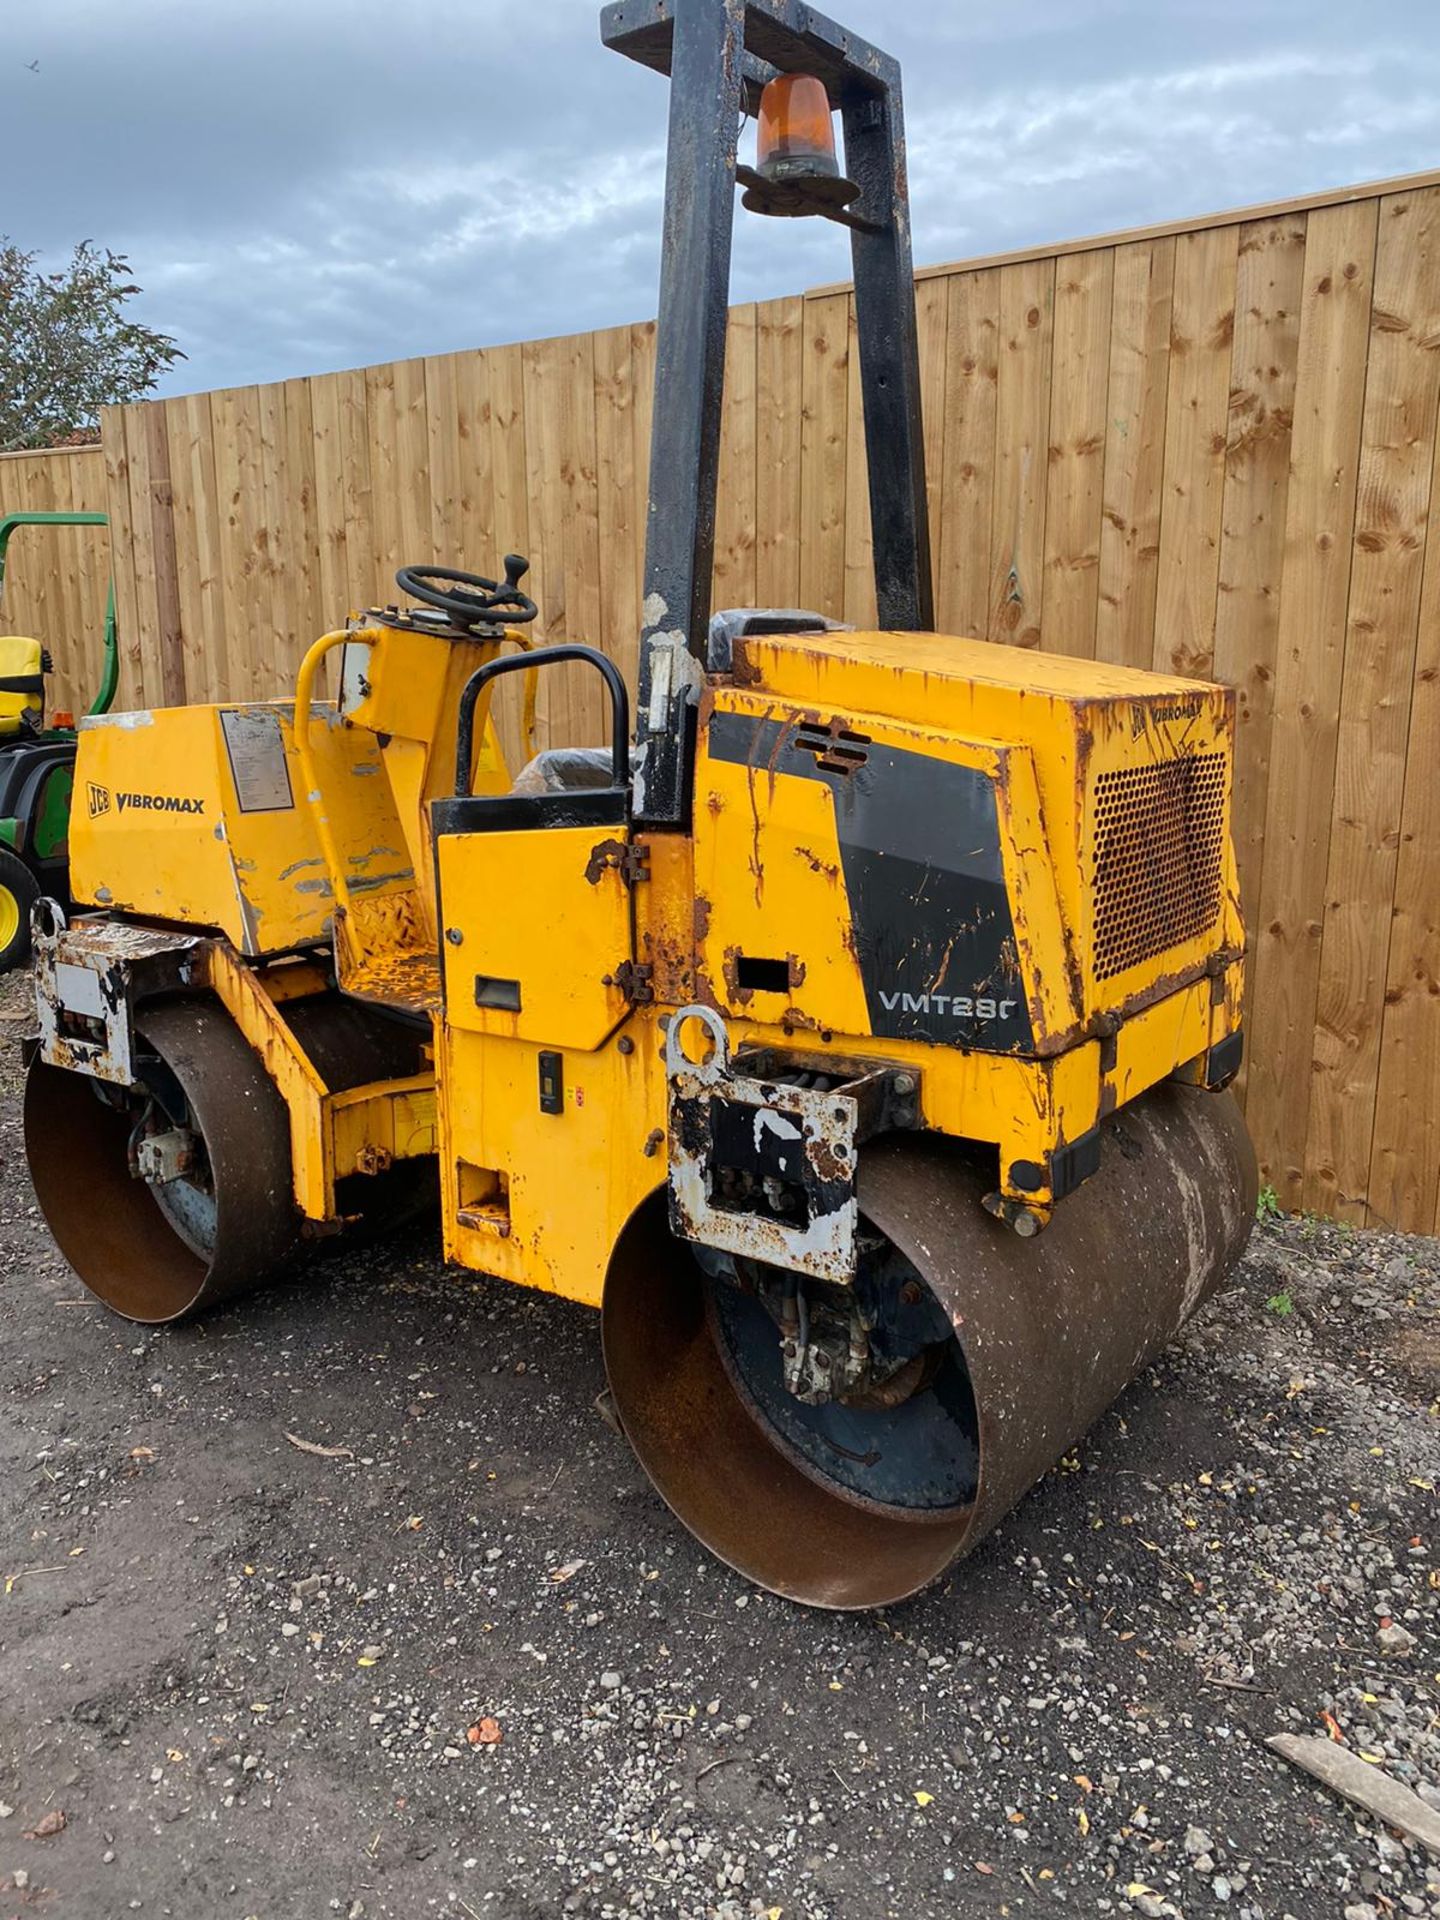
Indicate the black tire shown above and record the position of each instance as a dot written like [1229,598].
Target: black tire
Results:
[19,890]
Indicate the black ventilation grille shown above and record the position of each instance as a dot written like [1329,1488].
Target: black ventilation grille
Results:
[835,748]
[1159,858]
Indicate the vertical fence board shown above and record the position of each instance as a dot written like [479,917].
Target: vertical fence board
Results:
[619,495]
[349,575]
[41,552]
[296,523]
[1402,387]
[586,704]
[824,466]
[197,559]
[779,346]
[733,579]
[72,645]
[89,494]
[932,318]
[1405,1159]
[273,540]
[543,385]
[467,464]
[444,439]
[1022,439]
[967,487]
[52,562]
[510,501]
[37,494]
[860,607]
[1202,328]
[239,481]
[382,431]
[141,549]
[1075,472]
[133,638]
[509,464]
[1268,293]
[1134,452]
[1315,584]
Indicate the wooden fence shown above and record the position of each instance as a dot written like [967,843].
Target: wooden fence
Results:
[1209,447]
[56,577]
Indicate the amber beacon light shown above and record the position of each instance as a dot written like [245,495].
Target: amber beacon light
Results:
[797,134]
[796,172]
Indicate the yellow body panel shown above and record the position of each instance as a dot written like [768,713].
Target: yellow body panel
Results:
[409,702]
[401,683]
[1006,875]
[905,674]
[504,975]
[780,828]
[332,1134]
[196,815]
[1081,719]
[573,1180]
[570,1180]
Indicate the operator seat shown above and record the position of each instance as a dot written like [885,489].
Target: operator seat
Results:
[23,666]
[566,770]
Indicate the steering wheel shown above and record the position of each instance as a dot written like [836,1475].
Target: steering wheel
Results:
[466,599]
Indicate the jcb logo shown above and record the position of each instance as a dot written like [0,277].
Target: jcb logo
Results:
[99,800]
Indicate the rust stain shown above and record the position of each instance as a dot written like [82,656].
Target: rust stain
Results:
[757,865]
[829,1163]
[704,990]
[796,1020]
[671,966]
[742,996]
[609,853]
[829,868]
[743,670]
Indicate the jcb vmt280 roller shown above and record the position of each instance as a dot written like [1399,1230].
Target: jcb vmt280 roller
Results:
[852,1033]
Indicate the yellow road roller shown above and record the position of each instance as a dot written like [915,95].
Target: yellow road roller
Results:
[852,1029]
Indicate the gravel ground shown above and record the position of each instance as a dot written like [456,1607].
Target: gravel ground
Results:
[261,1681]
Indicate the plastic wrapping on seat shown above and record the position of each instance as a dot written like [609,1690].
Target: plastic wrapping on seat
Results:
[565,770]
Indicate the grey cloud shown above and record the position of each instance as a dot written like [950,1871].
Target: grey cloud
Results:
[318,184]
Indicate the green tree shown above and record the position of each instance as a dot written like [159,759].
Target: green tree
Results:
[67,347]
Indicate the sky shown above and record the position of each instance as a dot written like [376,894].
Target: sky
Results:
[302,185]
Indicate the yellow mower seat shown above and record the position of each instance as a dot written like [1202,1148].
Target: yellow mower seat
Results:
[23,660]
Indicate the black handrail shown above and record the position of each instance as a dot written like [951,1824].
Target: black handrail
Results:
[522,663]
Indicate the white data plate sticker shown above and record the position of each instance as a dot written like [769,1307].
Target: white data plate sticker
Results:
[256,748]
[77,989]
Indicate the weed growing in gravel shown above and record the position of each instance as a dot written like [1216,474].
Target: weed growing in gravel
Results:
[1268,1206]
[1280,1303]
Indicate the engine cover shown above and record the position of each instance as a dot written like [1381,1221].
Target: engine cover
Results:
[196,816]
[1002,852]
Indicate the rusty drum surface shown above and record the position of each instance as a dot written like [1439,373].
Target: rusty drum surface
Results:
[150,1262]
[161,1253]
[1049,1331]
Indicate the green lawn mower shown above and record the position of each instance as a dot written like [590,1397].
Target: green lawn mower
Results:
[37,762]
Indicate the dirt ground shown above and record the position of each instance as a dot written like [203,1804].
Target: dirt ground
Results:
[253,1678]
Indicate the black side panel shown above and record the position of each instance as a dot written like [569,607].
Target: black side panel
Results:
[514,812]
[920,850]
[20,764]
[26,766]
